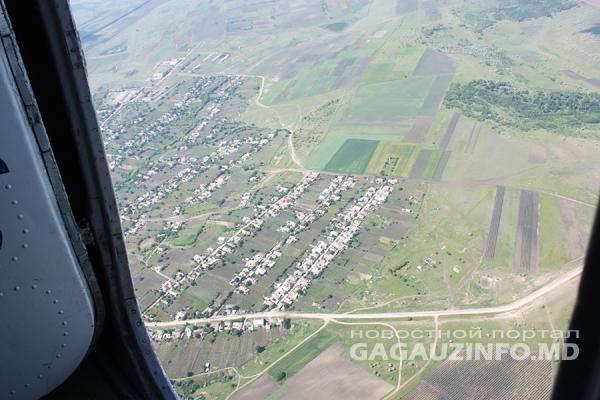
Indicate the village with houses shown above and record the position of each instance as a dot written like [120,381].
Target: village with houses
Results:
[286,172]
[314,214]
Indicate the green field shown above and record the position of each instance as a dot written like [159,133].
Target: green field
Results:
[553,251]
[187,236]
[379,72]
[302,356]
[353,157]
[347,336]
[505,245]
[388,102]
[393,158]
[434,159]
[397,63]
[436,95]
